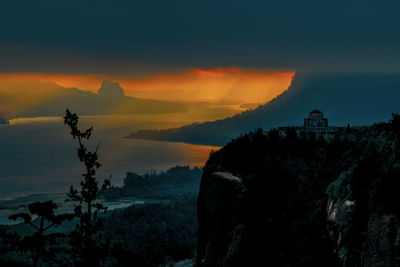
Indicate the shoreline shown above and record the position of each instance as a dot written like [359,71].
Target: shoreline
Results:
[20,204]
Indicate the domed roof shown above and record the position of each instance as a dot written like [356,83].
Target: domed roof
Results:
[316,114]
[316,111]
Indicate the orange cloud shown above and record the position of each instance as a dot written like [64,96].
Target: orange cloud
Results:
[215,85]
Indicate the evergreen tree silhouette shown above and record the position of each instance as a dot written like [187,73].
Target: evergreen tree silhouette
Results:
[86,247]
[395,121]
[40,246]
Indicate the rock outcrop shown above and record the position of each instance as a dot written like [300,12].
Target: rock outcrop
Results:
[221,195]
[111,90]
[271,200]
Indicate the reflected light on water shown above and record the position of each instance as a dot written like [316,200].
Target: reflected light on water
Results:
[19,121]
[38,155]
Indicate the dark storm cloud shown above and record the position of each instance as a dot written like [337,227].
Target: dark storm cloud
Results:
[133,36]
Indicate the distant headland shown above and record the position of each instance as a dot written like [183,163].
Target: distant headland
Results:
[359,99]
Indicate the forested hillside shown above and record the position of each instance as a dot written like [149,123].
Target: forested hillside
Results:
[358,99]
[301,201]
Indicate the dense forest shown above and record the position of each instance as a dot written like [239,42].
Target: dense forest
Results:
[285,199]
[173,183]
[160,230]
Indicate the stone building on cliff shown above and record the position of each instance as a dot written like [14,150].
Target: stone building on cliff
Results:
[315,123]
[316,119]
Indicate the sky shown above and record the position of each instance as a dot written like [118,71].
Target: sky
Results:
[206,50]
[229,85]
[157,36]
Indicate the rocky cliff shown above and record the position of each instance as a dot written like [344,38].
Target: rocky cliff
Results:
[111,90]
[272,200]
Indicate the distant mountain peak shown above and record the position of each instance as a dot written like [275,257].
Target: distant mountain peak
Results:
[111,89]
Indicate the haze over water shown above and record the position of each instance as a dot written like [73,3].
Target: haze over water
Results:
[39,156]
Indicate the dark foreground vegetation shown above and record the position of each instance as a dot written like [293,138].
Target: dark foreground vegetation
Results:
[154,234]
[283,199]
[168,185]
[157,232]
[266,199]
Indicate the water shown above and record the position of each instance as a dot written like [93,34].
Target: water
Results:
[38,156]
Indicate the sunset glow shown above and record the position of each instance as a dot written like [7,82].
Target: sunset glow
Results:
[216,85]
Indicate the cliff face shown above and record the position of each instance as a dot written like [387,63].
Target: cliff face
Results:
[268,200]
[221,232]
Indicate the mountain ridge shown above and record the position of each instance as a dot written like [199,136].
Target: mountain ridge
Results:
[335,94]
[35,98]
